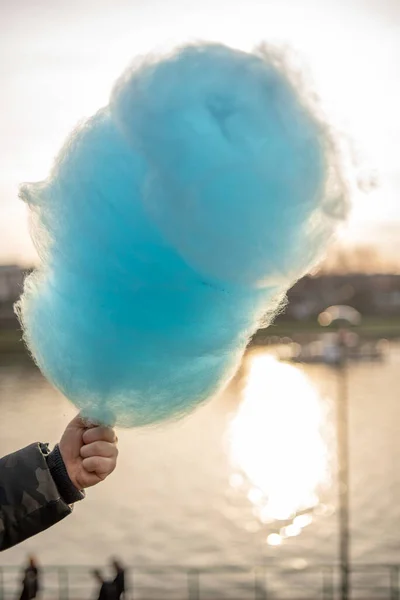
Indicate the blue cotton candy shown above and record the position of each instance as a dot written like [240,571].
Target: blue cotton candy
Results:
[172,224]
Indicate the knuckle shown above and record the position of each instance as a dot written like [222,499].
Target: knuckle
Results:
[111,436]
[91,450]
[99,448]
[96,463]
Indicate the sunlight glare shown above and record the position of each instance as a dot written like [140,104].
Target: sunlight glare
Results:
[277,443]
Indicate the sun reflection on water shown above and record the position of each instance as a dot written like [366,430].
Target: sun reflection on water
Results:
[278,446]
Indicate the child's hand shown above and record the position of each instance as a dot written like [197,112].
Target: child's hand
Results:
[89,454]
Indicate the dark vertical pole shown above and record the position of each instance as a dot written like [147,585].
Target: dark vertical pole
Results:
[343,472]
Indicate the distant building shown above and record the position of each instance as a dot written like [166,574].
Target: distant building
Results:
[11,282]
[371,295]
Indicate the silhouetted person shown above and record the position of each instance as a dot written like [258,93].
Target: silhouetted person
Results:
[119,580]
[30,581]
[107,588]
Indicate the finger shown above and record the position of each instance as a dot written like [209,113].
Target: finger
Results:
[105,434]
[104,449]
[100,465]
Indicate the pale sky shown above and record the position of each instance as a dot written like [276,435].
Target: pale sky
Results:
[59,59]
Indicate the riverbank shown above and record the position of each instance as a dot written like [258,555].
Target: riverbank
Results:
[370,328]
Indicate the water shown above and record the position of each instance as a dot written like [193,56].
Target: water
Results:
[224,486]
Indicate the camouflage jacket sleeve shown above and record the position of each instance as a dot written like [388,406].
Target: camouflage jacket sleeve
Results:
[29,498]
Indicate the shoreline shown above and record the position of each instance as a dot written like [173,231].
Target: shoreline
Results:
[302,331]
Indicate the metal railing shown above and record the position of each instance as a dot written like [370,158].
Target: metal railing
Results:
[368,582]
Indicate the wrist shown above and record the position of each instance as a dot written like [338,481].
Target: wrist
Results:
[68,491]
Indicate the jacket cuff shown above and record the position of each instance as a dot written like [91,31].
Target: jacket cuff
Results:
[68,492]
